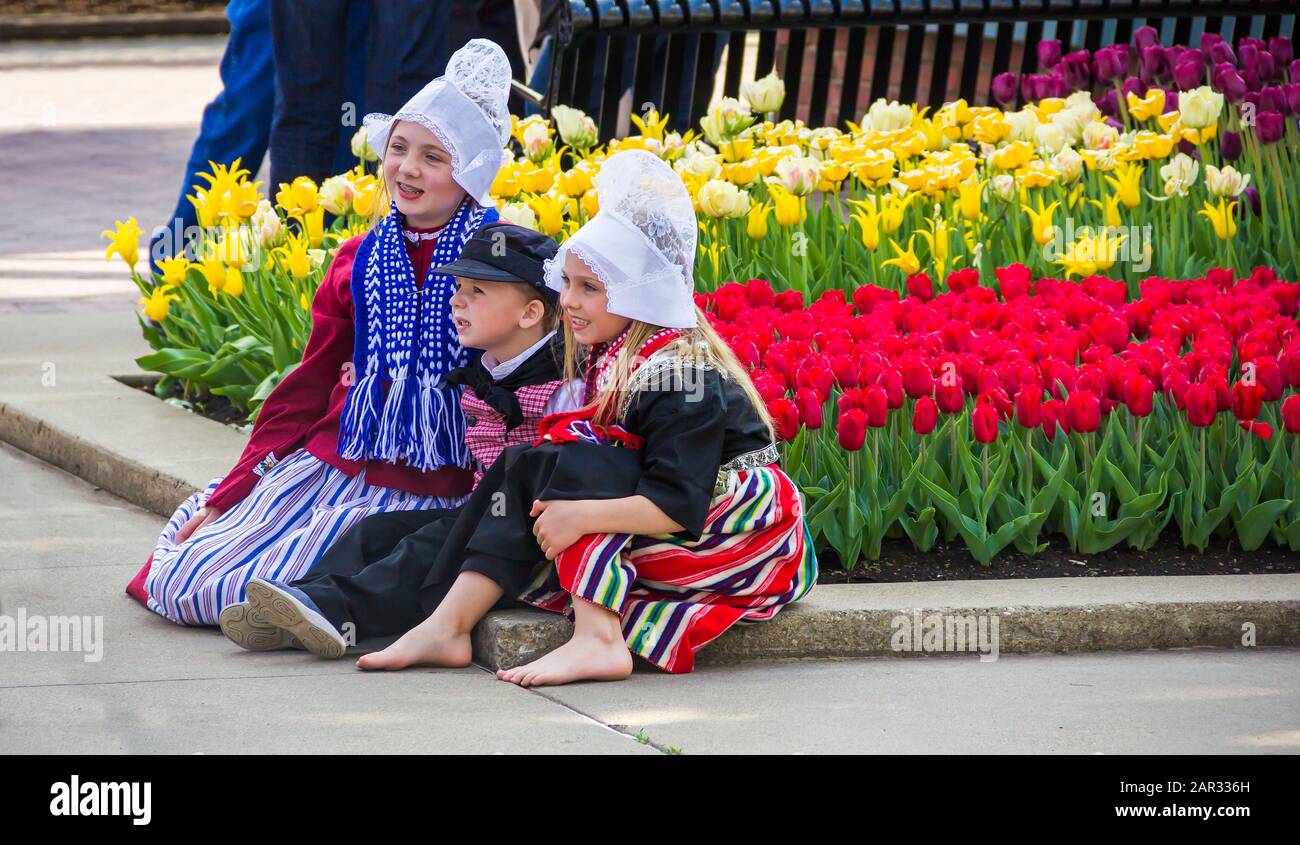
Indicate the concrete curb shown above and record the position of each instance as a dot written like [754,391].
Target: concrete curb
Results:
[154,455]
[1050,615]
[28,27]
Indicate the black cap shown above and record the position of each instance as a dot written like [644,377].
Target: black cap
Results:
[504,252]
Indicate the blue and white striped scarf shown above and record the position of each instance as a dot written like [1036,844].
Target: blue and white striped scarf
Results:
[406,336]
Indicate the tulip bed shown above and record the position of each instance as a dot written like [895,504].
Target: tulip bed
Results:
[968,328]
[1053,409]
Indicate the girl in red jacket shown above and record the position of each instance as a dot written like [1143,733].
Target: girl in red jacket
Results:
[366,423]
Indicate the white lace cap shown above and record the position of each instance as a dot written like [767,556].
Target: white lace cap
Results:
[466,108]
[640,244]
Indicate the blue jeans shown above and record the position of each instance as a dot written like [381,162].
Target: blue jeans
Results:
[235,125]
[406,47]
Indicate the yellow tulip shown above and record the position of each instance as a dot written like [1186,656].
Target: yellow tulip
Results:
[790,209]
[938,242]
[575,182]
[506,183]
[1127,183]
[1222,217]
[1013,155]
[1044,231]
[591,203]
[234,282]
[214,273]
[297,197]
[155,307]
[1145,108]
[125,241]
[869,222]
[174,270]
[652,125]
[365,196]
[737,149]
[756,221]
[891,212]
[905,260]
[970,197]
[1151,145]
[314,223]
[550,214]
[295,257]
[741,173]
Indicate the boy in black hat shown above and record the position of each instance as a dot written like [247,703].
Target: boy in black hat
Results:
[381,578]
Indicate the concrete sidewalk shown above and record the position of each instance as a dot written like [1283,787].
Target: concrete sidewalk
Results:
[68,549]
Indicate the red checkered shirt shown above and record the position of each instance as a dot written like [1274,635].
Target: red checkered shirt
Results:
[486,434]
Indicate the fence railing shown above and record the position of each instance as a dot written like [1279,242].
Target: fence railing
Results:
[836,56]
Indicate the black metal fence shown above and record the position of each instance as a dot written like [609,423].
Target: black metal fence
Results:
[837,56]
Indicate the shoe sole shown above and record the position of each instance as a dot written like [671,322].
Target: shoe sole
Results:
[287,616]
[247,628]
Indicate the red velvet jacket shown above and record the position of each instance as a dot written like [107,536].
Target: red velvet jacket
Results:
[305,408]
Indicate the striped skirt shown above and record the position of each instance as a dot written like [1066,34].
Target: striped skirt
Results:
[675,596]
[278,532]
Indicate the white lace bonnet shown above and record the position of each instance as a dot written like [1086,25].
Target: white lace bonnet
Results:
[466,109]
[640,244]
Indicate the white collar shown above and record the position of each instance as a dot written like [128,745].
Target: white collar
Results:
[416,237]
[500,369]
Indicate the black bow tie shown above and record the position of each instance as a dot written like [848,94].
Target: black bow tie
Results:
[542,366]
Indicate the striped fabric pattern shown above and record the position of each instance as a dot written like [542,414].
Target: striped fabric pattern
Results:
[674,595]
[278,532]
[487,438]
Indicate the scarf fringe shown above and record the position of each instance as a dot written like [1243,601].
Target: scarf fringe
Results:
[439,428]
[357,425]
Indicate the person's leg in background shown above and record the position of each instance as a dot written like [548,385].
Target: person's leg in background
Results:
[310,43]
[408,47]
[549,12]
[358,39]
[236,124]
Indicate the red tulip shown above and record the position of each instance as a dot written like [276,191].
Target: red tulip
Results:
[851,429]
[1262,430]
[1029,406]
[918,381]
[786,417]
[950,397]
[876,404]
[984,422]
[1291,414]
[925,415]
[810,407]
[1247,399]
[820,379]
[1053,416]
[920,286]
[1083,410]
[1200,404]
[1138,395]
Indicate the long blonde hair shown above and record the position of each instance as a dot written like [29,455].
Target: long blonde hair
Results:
[701,343]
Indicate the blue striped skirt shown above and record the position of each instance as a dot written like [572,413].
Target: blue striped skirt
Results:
[278,532]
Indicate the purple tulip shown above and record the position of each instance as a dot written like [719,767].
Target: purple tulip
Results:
[1151,63]
[1049,54]
[1109,65]
[1291,93]
[1222,52]
[1230,145]
[1251,196]
[1031,87]
[1056,86]
[1108,104]
[1146,36]
[1004,88]
[1266,67]
[1269,126]
[1280,48]
[1229,82]
[1077,70]
[1208,40]
[1252,97]
[1294,71]
[1247,56]
[1186,147]
[1171,100]
[1114,122]
[1272,99]
[1188,75]
[1251,79]
[1134,86]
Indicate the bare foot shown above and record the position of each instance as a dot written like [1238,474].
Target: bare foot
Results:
[427,644]
[580,659]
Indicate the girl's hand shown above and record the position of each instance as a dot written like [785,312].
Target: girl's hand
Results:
[559,524]
[205,515]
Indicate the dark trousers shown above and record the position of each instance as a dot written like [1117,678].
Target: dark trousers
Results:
[392,570]
[495,21]
[406,48]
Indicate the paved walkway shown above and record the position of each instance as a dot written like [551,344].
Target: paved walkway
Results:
[68,549]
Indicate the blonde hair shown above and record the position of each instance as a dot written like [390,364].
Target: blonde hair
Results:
[701,343]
